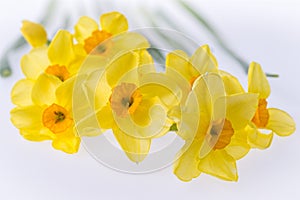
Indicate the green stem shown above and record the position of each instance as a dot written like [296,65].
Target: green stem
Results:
[218,39]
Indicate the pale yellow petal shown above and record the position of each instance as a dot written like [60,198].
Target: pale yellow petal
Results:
[211,55]
[178,61]
[35,62]
[34,33]
[135,149]
[43,91]
[84,28]
[37,135]
[29,117]
[67,142]
[120,66]
[259,140]
[281,122]
[219,164]
[160,85]
[241,109]
[231,83]
[148,121]
[203,61]
[114,22]
[105,117]
[186,166]
[238,146]
[64,93]
[21,92]
[257,81]
[61,49]
[125,42]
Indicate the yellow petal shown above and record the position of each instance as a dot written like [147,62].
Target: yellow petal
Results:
[186,166]
[178,61]
[238,147]
[35,62]
[231,83]
[211,55]
[105,117]
[64,93]
[181,81]
[84,28]
[37,135]
[149,120]
[43,91]
[136,149]
[21,92]
[61,50]
[160,85]
[113,22]
[219,164]
[125,42]
[257,81]
[281,122]
[34,33]
[29,117]
[67,142]
[259,140]
[203,61]
[120,66]
[241,109]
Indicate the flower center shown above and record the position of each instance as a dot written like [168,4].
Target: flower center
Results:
[60,72]
[125,99]
[221,132]
[261,116]
[56,118]
[93,43]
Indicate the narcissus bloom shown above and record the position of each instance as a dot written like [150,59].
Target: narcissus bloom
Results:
[185,70]
[49,117]
[90,36]
[127,101]
[273,119]
[57,60]
[217,138]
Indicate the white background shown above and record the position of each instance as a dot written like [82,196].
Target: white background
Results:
[265,31]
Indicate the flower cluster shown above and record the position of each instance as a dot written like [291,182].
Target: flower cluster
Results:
[106,74]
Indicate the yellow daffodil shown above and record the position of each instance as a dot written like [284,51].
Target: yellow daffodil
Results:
[127,101]
[216,135]
[57,60]
[49,117]
[185,70]
[90,36]
[273,119]
[35,34]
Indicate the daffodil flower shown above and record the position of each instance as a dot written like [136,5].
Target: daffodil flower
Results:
[216,135]
[188,69]
[273,119]
[57,60]
[127,101]
[90,36]
[49,117]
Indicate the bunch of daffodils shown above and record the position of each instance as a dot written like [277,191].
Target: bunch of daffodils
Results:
[103,73]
